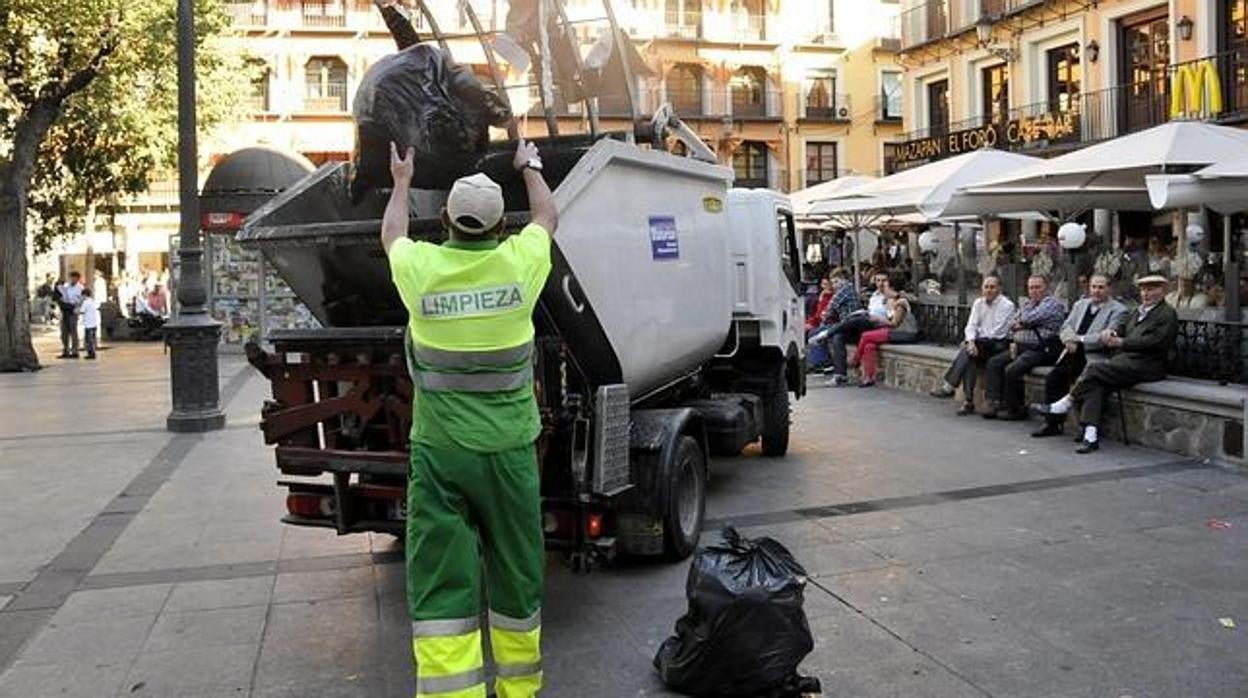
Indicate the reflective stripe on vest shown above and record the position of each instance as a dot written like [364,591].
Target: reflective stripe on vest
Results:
[445,359]
[474,382]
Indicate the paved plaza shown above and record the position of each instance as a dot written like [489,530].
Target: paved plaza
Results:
[948,556]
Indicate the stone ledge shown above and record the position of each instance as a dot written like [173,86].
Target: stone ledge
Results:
[1195,418]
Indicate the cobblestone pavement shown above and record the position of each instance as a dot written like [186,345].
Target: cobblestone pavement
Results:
[948,557]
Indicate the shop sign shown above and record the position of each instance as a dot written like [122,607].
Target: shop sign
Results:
[1195,90]
[1053,127]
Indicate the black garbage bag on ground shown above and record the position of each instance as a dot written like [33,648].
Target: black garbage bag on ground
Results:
[418,97]
[745,632]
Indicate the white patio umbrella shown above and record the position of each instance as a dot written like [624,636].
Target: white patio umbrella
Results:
[1106,175]
[922,190]
[1222,187]
[803,198]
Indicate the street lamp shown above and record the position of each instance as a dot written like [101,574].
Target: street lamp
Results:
[983,33]
[193,334]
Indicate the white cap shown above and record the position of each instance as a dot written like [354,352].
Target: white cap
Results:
[475,204]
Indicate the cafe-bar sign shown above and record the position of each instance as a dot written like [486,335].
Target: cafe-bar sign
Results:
[1059,127]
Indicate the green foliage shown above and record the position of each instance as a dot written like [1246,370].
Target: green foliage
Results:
[113,136]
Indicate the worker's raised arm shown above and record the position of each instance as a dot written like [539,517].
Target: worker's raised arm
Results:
[542,209]
[394,222]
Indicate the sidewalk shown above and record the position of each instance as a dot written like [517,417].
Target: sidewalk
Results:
[948,557]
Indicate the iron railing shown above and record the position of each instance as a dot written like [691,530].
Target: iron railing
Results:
[333,99]
[684,25]
[328,13]
[248,14]
[1204,350]
[838,108]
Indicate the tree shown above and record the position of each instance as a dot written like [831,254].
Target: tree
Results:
[87,116]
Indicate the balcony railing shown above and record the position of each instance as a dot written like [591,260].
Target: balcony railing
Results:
[323,14]
[333,100]
[937,19]
[248,14]
[837,109]
[684,25]
[257,103]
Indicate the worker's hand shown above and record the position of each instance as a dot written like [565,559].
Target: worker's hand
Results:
[1071,347]
[401,168]
[525,151]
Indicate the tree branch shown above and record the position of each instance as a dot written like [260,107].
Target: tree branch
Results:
[57,92]
[13,76]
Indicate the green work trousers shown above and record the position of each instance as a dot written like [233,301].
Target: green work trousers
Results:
[465,508]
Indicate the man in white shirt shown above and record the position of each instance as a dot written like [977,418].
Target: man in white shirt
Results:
[987,334]
[69,301]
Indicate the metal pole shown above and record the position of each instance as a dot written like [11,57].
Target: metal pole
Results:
[957,246]
[1230,261]
[193,335]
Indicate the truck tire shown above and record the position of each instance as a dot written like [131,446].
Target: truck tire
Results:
[682,498]
[776,416]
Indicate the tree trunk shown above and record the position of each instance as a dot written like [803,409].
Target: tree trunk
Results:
[17,353]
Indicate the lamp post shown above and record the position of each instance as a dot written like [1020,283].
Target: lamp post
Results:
[193,334]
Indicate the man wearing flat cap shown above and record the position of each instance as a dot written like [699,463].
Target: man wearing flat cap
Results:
[1141,347]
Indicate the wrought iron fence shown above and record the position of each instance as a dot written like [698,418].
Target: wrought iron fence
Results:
[1205,349]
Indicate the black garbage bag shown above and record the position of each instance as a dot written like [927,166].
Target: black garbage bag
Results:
[745,632]
[418,97]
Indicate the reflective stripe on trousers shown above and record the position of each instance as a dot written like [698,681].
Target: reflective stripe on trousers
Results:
[516,643]
[449,661]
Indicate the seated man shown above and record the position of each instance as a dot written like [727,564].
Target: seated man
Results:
[851,326]
[1081,344]
[1035,344]
[1143,343]
[986,335]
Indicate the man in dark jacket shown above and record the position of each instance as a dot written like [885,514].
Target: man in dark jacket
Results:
[1142,347]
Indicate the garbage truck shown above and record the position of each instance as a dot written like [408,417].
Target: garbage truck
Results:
[670,329]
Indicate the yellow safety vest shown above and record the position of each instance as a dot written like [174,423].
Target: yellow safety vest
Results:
[470,327]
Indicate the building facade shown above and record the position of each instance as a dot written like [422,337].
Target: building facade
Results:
[1047,76]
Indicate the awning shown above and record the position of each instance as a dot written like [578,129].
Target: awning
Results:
[1222,187]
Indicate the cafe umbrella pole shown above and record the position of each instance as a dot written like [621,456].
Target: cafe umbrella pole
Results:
[193,335]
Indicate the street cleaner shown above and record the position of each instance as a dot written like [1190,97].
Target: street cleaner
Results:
[473,492]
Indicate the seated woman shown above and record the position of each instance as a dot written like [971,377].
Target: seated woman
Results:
[825,297]
[902,327]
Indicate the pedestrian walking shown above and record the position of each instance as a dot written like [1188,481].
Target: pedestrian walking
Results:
[43,299]
[90,311]
[474,485]
[70,299]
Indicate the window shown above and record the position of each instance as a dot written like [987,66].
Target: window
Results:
[827,22]
[683,18]
[749,96]
[995,107]
[789,256]
[890,96]
[821,163]
[938,107]
[1233,41]
[749,164]
[821,99]
[684,89]
[258,98]
[889,164]
[1143,70]
[326,80]
[1065,77]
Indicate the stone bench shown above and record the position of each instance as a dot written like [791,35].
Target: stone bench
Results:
[1195,418]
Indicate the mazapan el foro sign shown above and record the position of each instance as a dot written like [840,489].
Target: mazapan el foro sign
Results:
[1196,90]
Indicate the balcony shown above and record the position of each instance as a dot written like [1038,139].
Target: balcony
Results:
[836,109]
[888,33]
[248,14]
[682,25]
[332,101]
[933,20]
[323,14]
[256,103]
[735,27]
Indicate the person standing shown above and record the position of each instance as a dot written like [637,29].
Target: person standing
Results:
[1144,343]
[1081,344]
[90,311]
[1035,344]
[70,300]
[986,335]
[474,487]
[43,299]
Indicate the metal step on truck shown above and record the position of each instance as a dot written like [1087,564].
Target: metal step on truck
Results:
[670,330]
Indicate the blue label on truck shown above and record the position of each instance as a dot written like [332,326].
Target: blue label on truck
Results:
[663,241]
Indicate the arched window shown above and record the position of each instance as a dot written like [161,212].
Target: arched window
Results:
[749,94]
[326,80]
[684,89]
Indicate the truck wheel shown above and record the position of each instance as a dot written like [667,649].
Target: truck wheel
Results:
[776,416]
[682,499]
